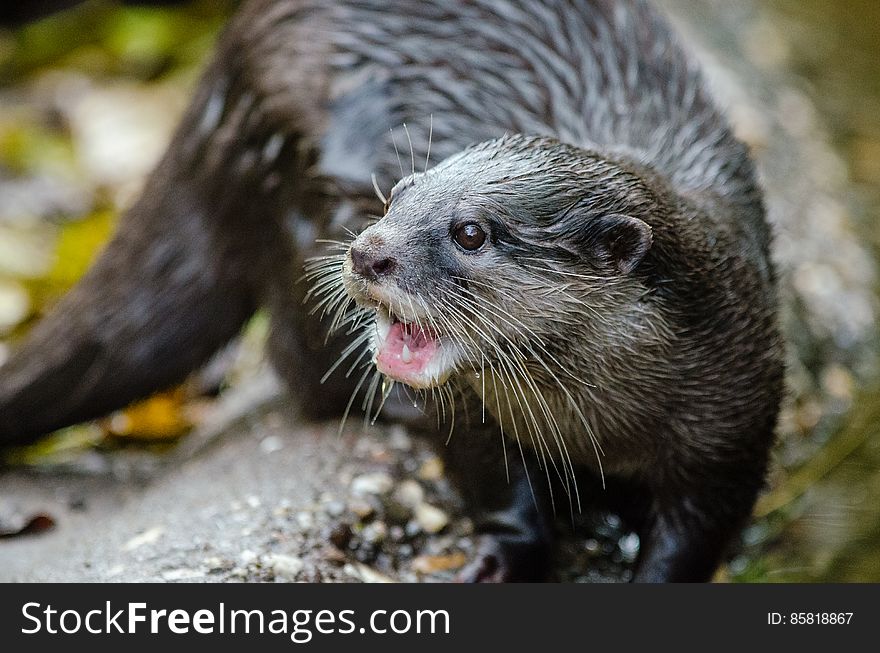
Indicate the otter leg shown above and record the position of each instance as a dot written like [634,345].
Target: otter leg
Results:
[685,541]
[508,503]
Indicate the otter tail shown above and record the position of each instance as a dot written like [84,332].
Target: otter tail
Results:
[187,266]
[163,296]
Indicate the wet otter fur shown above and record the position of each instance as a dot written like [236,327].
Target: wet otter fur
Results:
[619,307]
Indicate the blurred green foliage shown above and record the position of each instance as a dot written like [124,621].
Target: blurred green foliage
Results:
[104,38]
[144,49]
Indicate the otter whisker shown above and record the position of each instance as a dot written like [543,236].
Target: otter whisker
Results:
[446,325]
[348,351]
[501,426]
[351,400]
[338,304]
[519,365]
[378,191]
[322,267]
[517,321]
[529,332]
[330,270]
[502,355]
[543,364]
[358,360]
[569,469]
[430,137]
[452,411]
[387,387]
[483,389]
[324,287]
[565,273]
[412,156]
[442,403]
[517,326]
[518,441]
[351,234]
[336,243]
[397,152]
[533,428]
[370,397]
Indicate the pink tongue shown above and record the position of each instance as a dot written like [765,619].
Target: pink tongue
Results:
[422,346]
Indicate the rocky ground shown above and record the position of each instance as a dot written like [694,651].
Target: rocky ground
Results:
[255,494]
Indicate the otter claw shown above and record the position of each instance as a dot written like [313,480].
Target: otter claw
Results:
[497,563]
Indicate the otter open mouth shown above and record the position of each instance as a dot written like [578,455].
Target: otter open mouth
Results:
[411,353]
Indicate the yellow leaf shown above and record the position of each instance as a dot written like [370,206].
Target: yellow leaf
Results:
[78,244]
[162,416]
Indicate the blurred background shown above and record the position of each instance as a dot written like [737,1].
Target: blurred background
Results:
[89,98]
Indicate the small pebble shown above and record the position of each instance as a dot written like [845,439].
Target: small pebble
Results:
[396,533]
[431,519]
[216,564]
[464,527]
[431,469]
[253,501]
[375,532]
[396,512]
[285,567]
[366,484]
[361,508]
[366,574]
[271,444]
[629,546]
[149,536]
[340,536]
[182,574]
[412,528]
[334,508]
[78,504]
[333,554]
[398,439]
[409,493]
[838,382]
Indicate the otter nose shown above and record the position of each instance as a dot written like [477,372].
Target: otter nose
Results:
[371,266]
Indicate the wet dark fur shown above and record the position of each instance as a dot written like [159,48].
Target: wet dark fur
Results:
[277,149]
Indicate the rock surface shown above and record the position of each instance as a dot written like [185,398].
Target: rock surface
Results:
[257,495]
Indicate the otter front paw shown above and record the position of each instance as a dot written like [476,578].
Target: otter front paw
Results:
[501,559]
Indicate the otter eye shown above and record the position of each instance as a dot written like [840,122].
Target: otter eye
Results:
[469,236]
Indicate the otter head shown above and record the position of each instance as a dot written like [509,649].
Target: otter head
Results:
[490,259]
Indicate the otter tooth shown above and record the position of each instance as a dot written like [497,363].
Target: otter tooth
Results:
[405,355]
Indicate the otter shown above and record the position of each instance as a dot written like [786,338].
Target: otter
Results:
[585,276]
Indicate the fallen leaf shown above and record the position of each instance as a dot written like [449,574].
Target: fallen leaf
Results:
[31,525]
[160,417]
[426,564]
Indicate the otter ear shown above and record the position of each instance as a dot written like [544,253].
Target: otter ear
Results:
[620,240]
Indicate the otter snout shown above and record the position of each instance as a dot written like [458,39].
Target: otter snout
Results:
[371,264]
